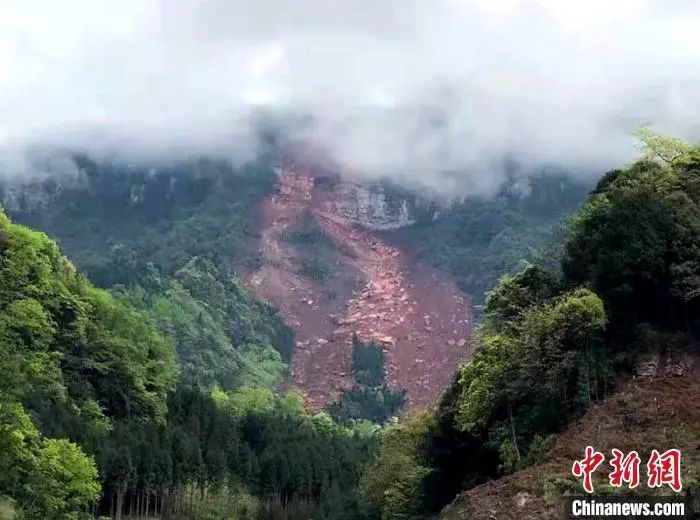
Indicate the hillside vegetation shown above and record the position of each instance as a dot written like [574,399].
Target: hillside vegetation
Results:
[656,410]
[552,345]
[479,239]
[158,395]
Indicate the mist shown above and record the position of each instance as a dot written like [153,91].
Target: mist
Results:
[439,92]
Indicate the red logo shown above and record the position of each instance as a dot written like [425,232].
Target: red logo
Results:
[662,468]
[587,466]
[665,468]
[625,469]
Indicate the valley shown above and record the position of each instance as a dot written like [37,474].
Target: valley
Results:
[349,261]
[224,292]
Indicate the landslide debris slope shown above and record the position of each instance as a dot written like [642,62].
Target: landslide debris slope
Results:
[326,266]
[656,410]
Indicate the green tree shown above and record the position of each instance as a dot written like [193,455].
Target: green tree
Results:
[669,150]
[392,484]
[47,478]
[636,242]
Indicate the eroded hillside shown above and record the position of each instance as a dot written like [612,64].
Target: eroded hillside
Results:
[327,267]
[658,409]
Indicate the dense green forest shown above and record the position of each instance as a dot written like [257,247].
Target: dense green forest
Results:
[553,343]
[112,218]
[369,398]
[163,413]
[157,394]
[478,239]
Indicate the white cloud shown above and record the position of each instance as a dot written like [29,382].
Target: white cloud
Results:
[401,87]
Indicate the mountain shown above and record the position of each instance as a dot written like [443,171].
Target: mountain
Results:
[157,398]
[335,277]
[322,358]
[338,256]
[160,395]
[167,392]
[619,320]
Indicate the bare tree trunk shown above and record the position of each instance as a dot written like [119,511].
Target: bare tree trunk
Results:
[512,430]
[120,501]
[588,372]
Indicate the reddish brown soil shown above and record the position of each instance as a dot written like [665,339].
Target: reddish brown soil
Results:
[416,313]
[659,412]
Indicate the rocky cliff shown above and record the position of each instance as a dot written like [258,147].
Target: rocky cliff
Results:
[371,207]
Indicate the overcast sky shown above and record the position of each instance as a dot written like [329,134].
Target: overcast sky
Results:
[400,87]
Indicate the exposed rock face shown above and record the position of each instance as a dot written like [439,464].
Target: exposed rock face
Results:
[31,197]
[294,186]
[673,363]
[371,207]
[414,312]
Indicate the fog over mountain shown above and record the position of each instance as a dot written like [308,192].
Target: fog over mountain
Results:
[437,90]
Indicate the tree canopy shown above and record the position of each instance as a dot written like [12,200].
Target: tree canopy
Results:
[552,342]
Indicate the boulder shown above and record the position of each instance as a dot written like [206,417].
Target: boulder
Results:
[385,340]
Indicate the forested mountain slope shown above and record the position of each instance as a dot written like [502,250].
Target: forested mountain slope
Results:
[168,240]
[551,345]
[187,421]
[113,217]
[158,397]
[76,361]
[479,239]
[338,257]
